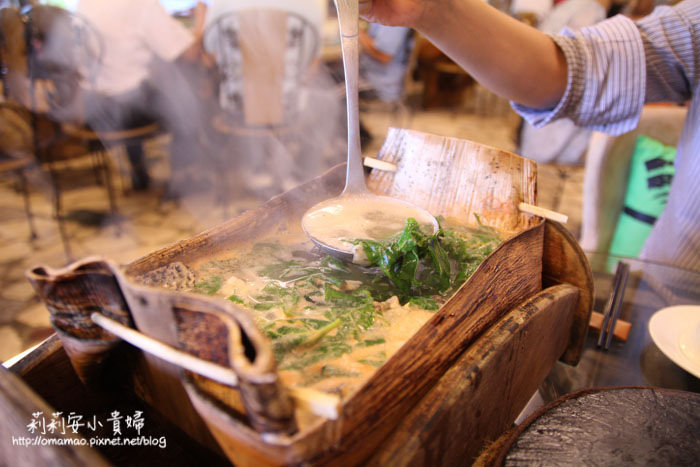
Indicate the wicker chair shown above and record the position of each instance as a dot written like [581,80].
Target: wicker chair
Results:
[16,152]
[63,54]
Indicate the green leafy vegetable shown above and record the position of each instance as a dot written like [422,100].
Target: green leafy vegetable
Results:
[427,303]
[319,308]
[421,264]
[328,370]
[371,342]
[210,286]
[276,296]
[377,359]
[235,299]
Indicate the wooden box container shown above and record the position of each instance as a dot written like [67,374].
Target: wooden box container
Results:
[459,381]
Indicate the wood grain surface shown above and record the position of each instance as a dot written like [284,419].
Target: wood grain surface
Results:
[565,262]
[457,178]
[484,390]
[19,402]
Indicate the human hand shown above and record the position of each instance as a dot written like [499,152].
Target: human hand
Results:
[393,12]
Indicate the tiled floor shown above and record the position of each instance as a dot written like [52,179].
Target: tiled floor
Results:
[146,222]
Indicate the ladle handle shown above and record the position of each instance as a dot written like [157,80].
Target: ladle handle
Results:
[348,19]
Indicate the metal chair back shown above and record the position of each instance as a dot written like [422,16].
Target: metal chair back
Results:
[263,56]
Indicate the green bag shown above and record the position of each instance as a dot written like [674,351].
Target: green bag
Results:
[651,173]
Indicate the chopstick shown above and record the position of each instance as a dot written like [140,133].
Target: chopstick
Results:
[317,402]
[619,299]
[542,212]
[379,164]
[613,305]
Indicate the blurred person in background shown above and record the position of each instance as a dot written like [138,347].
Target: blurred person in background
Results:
[531,12]
[313,10]
[385,55]
[141,79]
[599,77]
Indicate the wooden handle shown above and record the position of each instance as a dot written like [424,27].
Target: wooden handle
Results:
[542,212]
[622,328]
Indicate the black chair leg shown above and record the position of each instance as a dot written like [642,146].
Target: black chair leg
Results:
[58,215]
[107,174]
[27,203]
[62,228]
[140,180]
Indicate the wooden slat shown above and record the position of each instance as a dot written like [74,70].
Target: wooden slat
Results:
[457,178]
[481,395]
[565,262]
[19,402]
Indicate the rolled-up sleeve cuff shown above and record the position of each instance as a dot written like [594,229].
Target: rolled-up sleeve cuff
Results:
[606,78]
[541,117]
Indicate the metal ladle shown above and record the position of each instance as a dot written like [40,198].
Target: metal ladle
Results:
[355,190]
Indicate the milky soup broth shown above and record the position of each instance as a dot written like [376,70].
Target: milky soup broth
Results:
[331,323]
[338,221]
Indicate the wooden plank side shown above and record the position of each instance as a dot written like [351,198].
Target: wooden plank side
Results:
[565,262]
[483,392]
[33,364]
[17,404]
[49,374]
[503,280]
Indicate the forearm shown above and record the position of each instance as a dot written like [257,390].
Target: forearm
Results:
[510,58]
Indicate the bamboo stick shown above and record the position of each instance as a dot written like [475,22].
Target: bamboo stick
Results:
[379,164]
[542,212]
[319,403]
[165,352]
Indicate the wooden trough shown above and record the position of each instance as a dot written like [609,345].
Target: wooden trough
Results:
[457,383]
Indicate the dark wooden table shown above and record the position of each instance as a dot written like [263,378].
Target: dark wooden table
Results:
[606,427]
[638,361]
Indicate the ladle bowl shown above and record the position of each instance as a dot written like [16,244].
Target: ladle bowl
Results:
[357,213]
[335,223]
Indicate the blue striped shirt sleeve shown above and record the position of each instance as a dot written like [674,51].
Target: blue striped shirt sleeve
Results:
[606,78]
[671,38]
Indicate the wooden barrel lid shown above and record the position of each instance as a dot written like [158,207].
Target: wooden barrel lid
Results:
[610,426]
